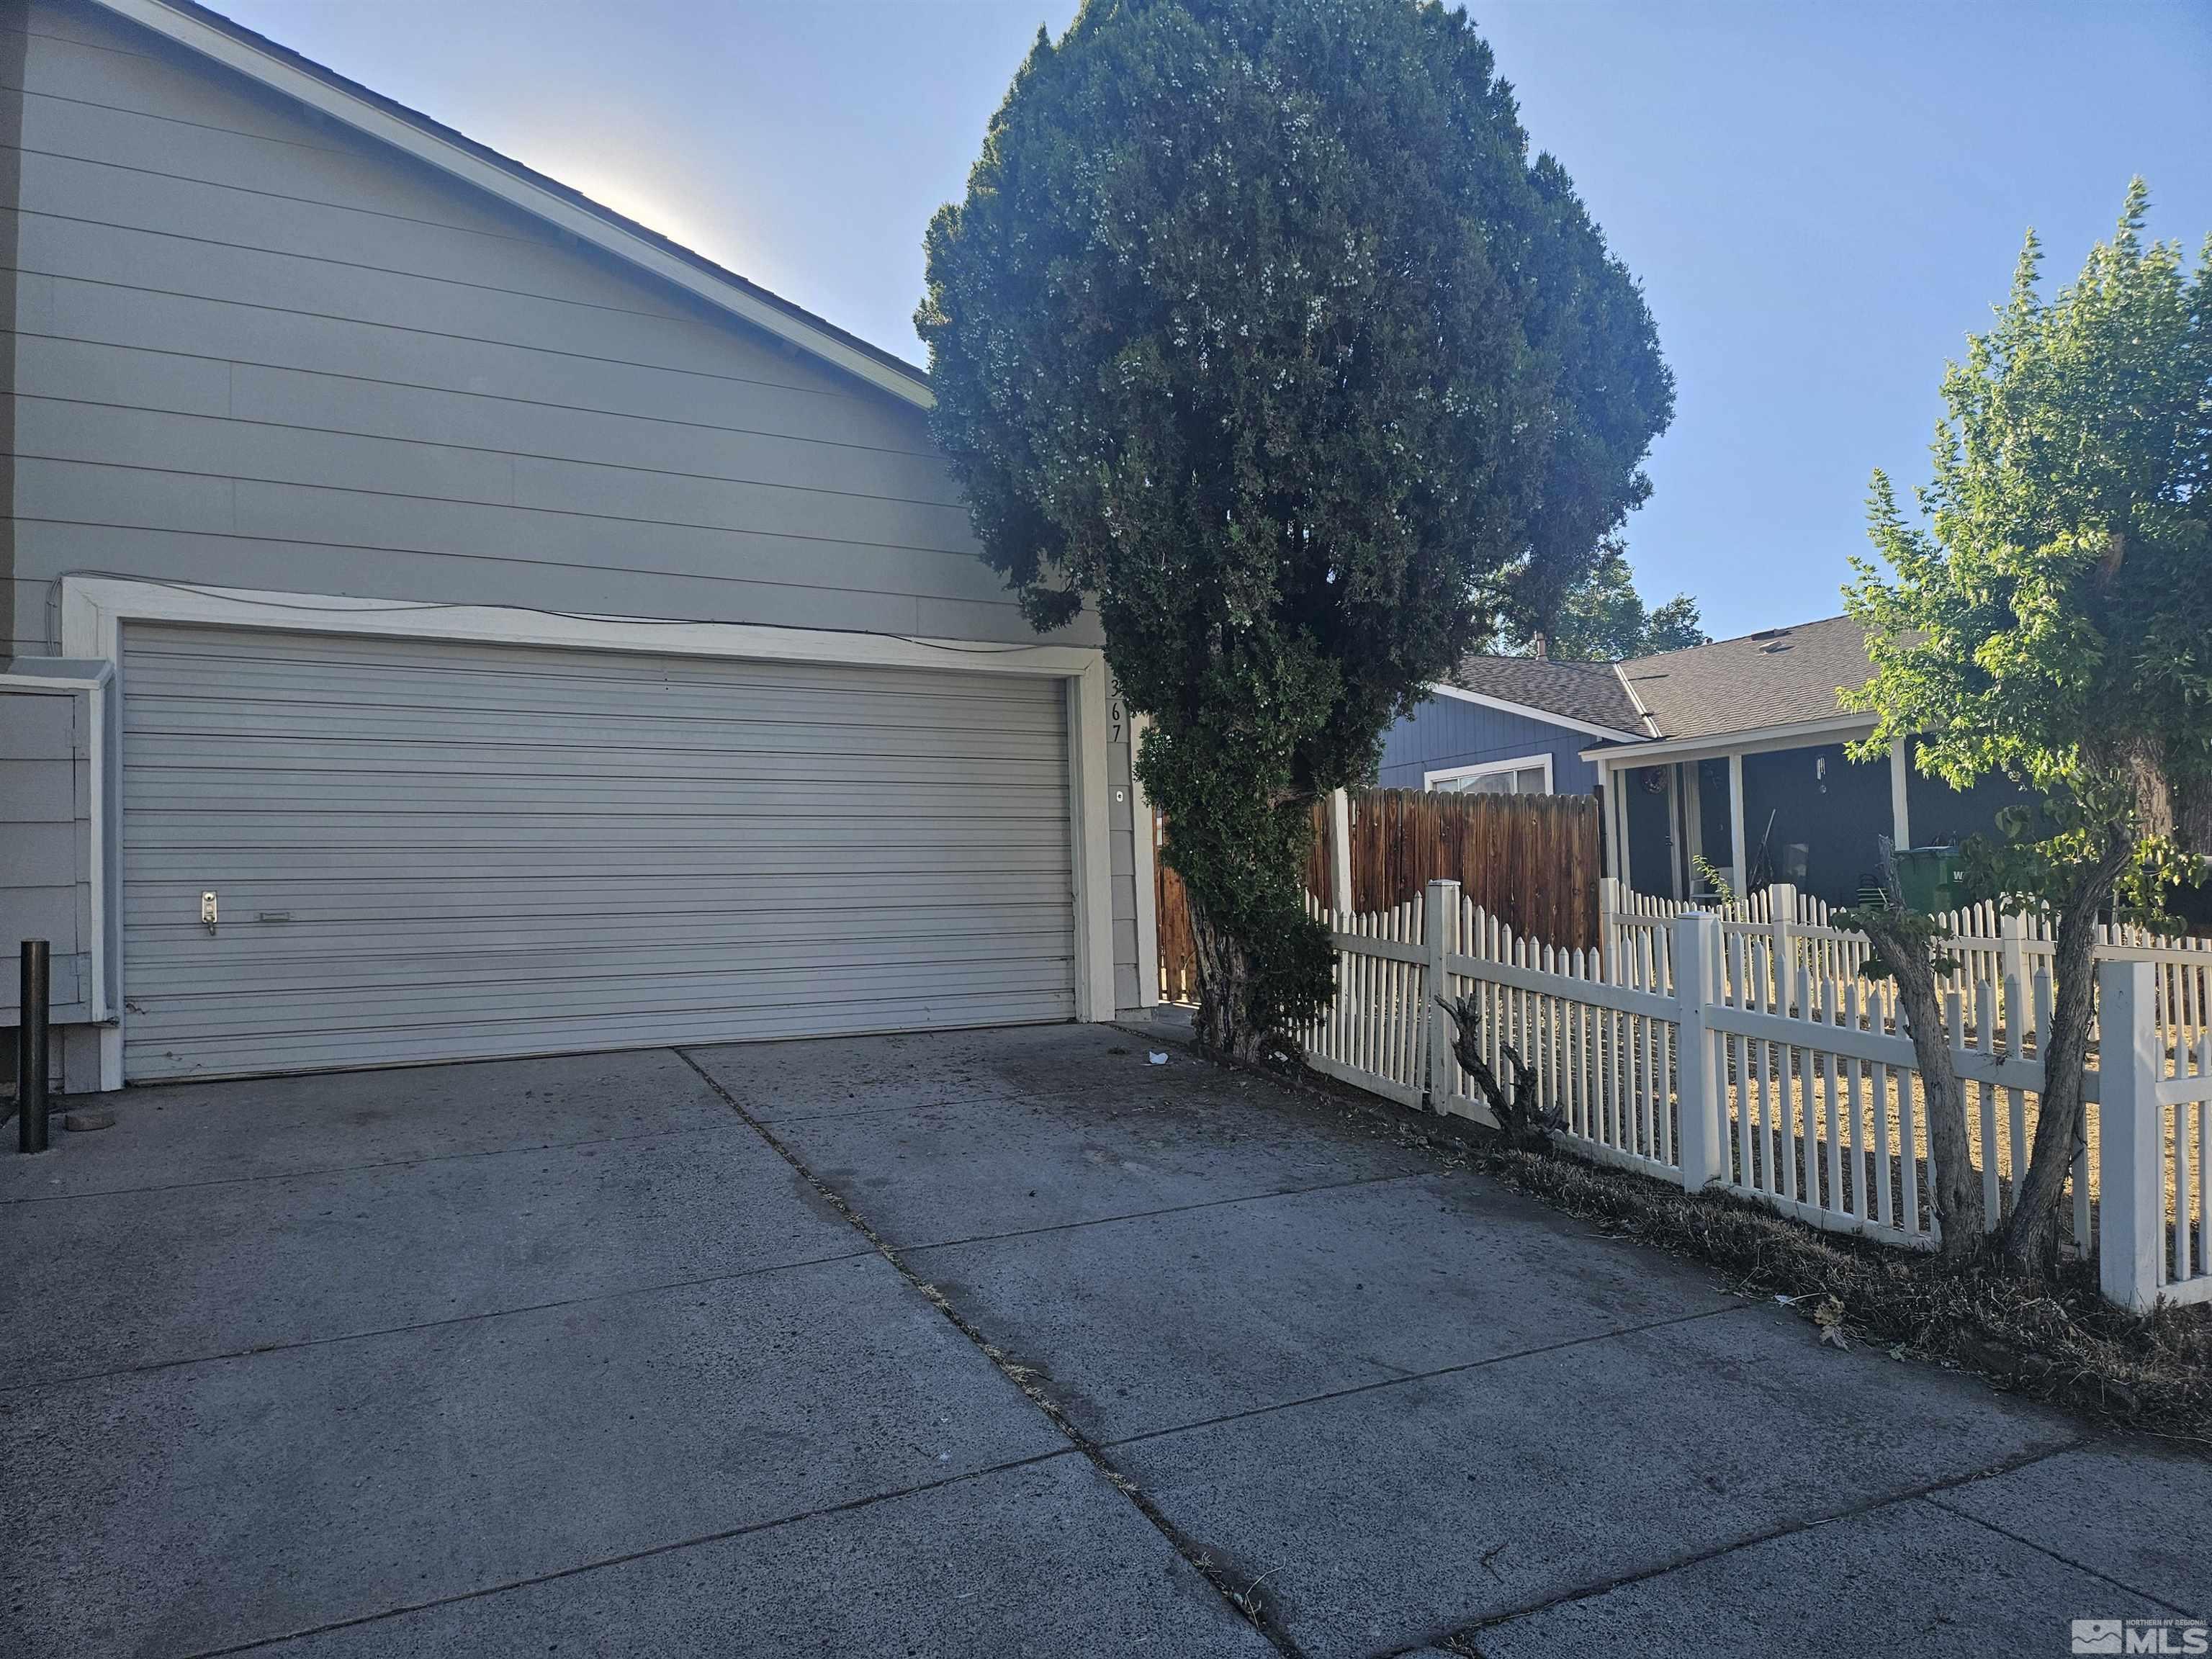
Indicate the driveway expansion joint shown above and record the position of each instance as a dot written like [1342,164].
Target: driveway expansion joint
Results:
[79,1378]
[320,1172]
[1171,1209]
[1460,1638]
[847,1507]
[1354,1389]
[2045,1549]
[1243,1602]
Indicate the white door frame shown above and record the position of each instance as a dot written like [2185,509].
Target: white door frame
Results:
[94,608]
[1144,872]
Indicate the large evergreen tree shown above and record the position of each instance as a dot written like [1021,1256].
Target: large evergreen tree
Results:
[1260,327]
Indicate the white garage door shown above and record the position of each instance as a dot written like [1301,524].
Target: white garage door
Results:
[421,851]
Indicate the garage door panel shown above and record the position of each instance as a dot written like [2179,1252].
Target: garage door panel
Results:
[431,1009]
[267,668]
[337,790]
[282,726]
[308,1050]
[722,840]
[296,998]
[425,850]
[605,840]
[324,866]
[706,724]
[152,907]
[218,758]
[257,931]
[265,965]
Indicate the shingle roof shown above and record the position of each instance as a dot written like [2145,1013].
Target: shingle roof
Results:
[1586,691]
[1776,677]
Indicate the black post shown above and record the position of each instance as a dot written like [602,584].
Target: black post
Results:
[31,1048]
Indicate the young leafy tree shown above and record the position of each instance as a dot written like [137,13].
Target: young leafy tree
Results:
[1909,947]
[1259,327]
[2053,620]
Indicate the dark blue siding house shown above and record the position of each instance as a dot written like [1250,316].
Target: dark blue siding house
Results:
[1732,751]
[1447,738]
[1511,725]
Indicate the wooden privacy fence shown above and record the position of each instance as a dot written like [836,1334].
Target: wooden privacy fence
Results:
[1532,860]
[1801,1092]
[1172,914]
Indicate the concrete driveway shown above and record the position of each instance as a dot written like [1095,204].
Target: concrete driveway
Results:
[634,1354]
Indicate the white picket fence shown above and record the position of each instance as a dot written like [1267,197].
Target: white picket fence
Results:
[1374,1034]
[1686,1056]
[1780,924]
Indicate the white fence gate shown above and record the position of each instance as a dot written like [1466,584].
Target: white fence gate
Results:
[1684,1052]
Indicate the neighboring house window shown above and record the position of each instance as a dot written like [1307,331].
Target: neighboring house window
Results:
[1530,775]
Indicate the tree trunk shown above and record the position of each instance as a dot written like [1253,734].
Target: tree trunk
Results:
[1955,1185]
[2029,1239]
[1223,1023]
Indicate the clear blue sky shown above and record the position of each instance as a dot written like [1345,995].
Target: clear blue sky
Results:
[1821,200]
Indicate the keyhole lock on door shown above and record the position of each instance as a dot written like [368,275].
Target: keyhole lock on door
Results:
[207,911]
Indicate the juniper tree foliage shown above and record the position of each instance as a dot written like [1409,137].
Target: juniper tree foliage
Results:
[1259,327]
[2052,618]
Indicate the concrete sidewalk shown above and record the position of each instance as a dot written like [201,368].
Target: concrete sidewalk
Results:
[642,1353]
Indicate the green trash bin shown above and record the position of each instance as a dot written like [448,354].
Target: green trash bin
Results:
[1928,877]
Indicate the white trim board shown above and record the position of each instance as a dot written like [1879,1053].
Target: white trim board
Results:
[94,608]
[95,688]
[1143,871]
[555,210]
[1642,713]
[1529,711]
[1756,741]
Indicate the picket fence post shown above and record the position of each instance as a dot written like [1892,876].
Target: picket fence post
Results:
[1440,938]
[2012,970]
[1340,851]
[1608,906]
[1782,914]
[2132,1137]
[1701,1137]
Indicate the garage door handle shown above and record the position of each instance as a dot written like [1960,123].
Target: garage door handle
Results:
[272,915]
[207,911]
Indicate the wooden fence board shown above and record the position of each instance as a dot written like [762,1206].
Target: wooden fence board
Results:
[1530,860]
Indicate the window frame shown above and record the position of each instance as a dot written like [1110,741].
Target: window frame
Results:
[1430,780]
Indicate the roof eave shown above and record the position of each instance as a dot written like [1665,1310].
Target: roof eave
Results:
[1751,740]
[1620,677]
[1444,688]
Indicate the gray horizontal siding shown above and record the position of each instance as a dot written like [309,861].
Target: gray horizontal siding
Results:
[1446,731]
[69,433]
[255,348]
[338,375]
[236,322]
[45,845]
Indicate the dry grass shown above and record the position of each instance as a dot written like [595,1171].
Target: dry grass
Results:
[1803,1103]
[2059,1342]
